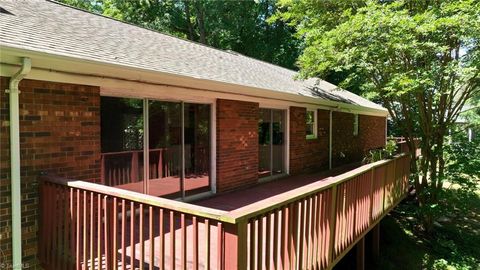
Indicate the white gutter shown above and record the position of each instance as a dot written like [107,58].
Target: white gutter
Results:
[130,73]
[15,162]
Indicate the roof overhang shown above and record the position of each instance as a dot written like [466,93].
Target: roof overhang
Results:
[67,69]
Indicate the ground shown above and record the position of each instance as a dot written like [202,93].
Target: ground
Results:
[455,243]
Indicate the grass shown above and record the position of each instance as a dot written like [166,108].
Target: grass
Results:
[454,244]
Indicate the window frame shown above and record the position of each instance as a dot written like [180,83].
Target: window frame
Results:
[315,124]
[212,137]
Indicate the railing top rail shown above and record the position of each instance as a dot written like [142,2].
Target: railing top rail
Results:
[178,206]
[269,204]
[234,216]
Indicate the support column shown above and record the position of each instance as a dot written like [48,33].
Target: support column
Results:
[361,254]
[376,242]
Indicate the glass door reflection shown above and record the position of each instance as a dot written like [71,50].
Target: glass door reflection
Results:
[165,146]
[271,147]
[122,143]
[197,148]
[175,146]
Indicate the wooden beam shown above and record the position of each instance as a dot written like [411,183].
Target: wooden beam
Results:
[376,242]
[361,254]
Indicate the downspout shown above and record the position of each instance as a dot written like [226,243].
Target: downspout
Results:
[15,162]
[330,141]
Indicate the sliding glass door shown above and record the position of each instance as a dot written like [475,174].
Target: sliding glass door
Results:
[122,139]
[165,149]
[271,145]
[177,146]
[197,148]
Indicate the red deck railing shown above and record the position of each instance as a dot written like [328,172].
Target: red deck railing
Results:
[403,146]
[90,226]
[124,167]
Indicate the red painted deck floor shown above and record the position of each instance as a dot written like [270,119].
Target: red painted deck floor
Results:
[238,198]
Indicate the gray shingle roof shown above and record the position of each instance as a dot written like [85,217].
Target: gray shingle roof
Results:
[53,28]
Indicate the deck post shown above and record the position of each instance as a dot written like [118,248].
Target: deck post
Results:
[361,254]
[372,197]
[235,249]
[110,218]
[102,169]
[331,244]
[376,242]
[134,167]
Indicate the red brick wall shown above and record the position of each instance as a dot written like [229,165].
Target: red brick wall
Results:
[312,154]
[371,134]
[59,134]
[237,144]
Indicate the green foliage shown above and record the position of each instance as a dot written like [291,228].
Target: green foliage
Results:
[390,148]
[453,243]
[420,59]
[240,26]
[390,47]
[462,180]
[462,161]
[375,155]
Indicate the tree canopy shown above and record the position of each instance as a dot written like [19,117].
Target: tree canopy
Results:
[420,59]
[240,26]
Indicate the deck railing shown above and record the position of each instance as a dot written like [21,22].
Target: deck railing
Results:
[402,146]
[124,167]
[90,226]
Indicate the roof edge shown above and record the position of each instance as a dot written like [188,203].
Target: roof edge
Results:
[136,75]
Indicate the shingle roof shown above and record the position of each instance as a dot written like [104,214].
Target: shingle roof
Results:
[57,29]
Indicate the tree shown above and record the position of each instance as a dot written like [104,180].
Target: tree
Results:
[239,26]
[420,59]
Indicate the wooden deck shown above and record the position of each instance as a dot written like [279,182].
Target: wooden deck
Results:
[263,191]
[307,221]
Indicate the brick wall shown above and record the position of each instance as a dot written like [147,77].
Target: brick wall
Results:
[312,154]
[237,144]
[371,134]
[59,134]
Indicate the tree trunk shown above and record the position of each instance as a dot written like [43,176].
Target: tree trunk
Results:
[201,22]
[188,21]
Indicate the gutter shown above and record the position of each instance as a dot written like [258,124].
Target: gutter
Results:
[138,76]
[16,197]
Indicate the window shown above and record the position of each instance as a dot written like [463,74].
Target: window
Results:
[355,125]
[311,124]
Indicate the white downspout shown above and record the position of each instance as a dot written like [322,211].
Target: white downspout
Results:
[330,141]
[15,162]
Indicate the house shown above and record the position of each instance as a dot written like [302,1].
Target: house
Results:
[87,97]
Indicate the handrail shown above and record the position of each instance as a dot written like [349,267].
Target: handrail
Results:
[179,206]
[235,216]
[342,208]
[276,201]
